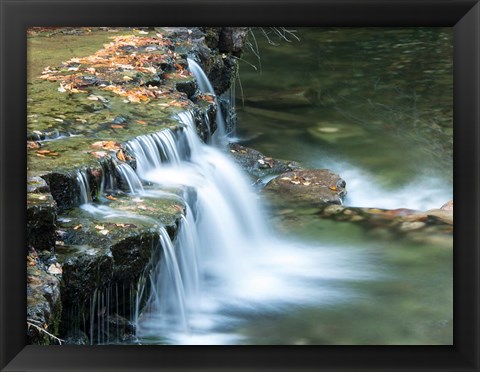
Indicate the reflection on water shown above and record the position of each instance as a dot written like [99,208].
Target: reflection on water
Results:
[375,106]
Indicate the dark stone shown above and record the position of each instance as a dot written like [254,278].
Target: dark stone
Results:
[131,255]
[189,87]
[76,337]
[84,270]
[212,36]
[64,189]
[222,72]
[41,221]
[232,40]
[311,186]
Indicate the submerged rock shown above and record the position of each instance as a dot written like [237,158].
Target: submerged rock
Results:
[434,226]
[311,186]
[332,133]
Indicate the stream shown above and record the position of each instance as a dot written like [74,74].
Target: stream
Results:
[386,94]
[374,106]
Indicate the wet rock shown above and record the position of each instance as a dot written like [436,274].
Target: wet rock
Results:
[430,227]
[119,328]
[232,40]
[258,165]
[41,219]
[76,337]
[132,254]
[189,87]
[64,188]
[84,268]
[313,186]
[43,302]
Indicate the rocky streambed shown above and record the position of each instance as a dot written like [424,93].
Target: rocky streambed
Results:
[88,272]
[81,114]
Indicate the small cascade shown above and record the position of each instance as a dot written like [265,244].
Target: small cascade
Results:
[224,255]
[154,149]
[85,194]
[129,177]
[206,87]
[118,175]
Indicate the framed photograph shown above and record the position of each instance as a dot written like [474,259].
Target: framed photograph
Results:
[239,185]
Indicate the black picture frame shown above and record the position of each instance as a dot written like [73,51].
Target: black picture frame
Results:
[17,16]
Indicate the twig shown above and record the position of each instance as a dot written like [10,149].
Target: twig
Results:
[30,323]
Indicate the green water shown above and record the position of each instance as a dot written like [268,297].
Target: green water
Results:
[387,92]
[375,106]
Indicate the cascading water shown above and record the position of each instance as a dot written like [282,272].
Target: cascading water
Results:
[206,87]
[224,256]
[224,263]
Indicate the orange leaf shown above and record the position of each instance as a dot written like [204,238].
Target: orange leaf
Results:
[120,155]
[116,126]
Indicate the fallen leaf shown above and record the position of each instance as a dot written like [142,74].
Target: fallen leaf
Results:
[141,122]
[110,197]
[100,227]
[334,188]
[43,152]
[116,126]
[40,155]
[308,183]
[108,145]
[103,232]
[120,155]
[77,227]
[32,145]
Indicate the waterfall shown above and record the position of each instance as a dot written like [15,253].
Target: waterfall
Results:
[206,87]
[224,258]
[85,194]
